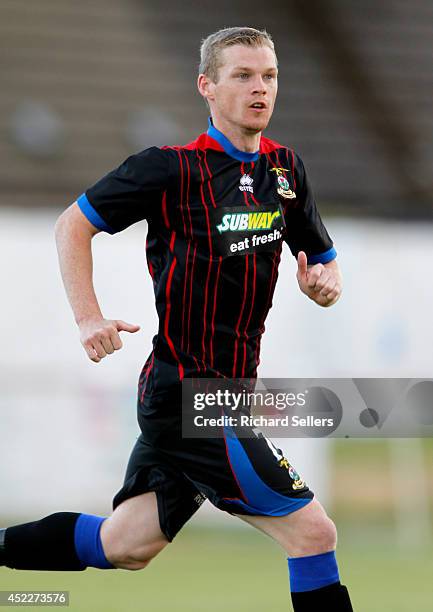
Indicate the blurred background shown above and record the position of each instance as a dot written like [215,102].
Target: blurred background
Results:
[85,84]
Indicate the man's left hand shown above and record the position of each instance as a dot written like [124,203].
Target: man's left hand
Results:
[321,282]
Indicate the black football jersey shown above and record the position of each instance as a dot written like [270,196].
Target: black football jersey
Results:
[217,218]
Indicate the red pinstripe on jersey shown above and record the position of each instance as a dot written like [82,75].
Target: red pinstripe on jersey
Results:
[245,291]
[146,373]
[164,210]
[203,201]
[206,290]
[188,180]
[235,350]
[168,307]
[213,311]
[205,206]
[253,295]
[252,194]
[185,284]
[215,286]
[209,185]
[181,174]
[190,298]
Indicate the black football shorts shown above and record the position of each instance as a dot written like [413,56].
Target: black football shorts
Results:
[241,474]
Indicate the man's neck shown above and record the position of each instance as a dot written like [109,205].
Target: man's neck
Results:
[241,139]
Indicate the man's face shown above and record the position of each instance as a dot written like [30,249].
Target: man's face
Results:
[245,92]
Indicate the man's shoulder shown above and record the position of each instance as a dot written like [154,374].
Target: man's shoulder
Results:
[284,154]
[202,142]
[267,145]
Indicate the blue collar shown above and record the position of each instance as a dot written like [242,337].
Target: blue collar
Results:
[230,149]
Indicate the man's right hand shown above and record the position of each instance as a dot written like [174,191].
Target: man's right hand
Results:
[100,337]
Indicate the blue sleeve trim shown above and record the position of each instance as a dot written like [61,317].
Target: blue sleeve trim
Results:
[91,214]
[323,258]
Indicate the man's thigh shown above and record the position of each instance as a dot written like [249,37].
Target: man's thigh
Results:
[133,530]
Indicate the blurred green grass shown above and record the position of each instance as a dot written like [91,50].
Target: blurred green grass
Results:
[208,569]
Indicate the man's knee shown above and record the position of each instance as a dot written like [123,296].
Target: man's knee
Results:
[308,531]
[135,556]
[320,536]
[316,534]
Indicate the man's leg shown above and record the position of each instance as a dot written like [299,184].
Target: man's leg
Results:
[309,538]
[156,500]
[132,536]
[70,541]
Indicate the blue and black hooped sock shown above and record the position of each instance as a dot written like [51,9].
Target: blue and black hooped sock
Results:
[88,543]
[315,584]
[64,541]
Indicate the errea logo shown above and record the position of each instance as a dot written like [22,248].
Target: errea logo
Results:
[246,183]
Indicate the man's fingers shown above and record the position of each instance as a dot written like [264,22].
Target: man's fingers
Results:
[91,353]
[98,348]
[315,280]
[111,339]
[329,298]
[100,351]
[101,338]
[329,286]
[336,292]
[115,340]
[323,280]
[107,344]
[302,264]
[128,327]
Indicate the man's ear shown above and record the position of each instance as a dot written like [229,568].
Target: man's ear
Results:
[206,87]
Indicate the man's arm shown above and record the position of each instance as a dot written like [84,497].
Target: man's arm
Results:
[74,234]
[322,283]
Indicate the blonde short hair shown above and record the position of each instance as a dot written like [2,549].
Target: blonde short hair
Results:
[212,45]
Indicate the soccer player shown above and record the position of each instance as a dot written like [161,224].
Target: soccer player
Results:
[218,211]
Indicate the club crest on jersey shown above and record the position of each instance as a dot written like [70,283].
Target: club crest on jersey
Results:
[246,183]
[283,184]
[248,221]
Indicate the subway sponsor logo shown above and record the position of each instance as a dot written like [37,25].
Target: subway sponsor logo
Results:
[248,221]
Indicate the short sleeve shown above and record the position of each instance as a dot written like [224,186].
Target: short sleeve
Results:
[305,229]
[129,193]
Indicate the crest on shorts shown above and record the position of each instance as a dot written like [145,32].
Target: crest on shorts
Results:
[283,184]
[298,483]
